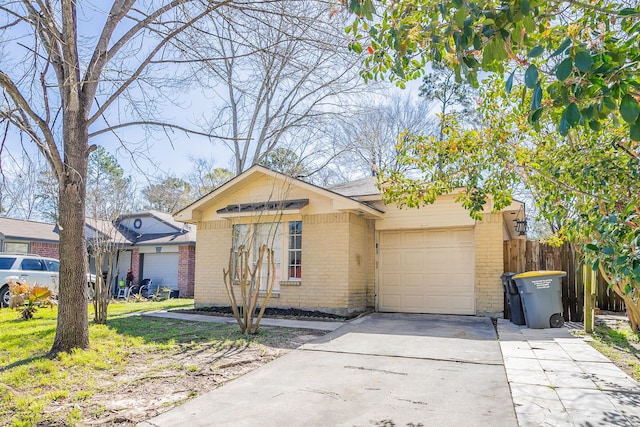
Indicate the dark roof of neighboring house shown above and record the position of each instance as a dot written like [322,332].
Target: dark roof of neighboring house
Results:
[184,233]
[20,229]
[30,231]
[360,187]
[173,239]
[162,216]
[105,229]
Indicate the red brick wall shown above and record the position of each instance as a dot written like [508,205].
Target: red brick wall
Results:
[135,264]
[186,270]
[50,250]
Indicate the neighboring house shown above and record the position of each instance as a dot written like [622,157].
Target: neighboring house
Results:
[152,244]
[343,250]
[162,249]
[28,237]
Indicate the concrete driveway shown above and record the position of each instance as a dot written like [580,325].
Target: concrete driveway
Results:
[379,370]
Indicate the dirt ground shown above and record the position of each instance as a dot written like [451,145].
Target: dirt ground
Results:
[150,385]
[626,358]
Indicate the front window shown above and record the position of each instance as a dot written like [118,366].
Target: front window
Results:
[295,250]
[253,236]
[16,247]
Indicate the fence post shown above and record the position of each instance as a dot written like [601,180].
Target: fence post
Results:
[589,278]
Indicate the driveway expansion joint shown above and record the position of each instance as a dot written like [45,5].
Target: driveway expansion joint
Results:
[362,368]
[435,359]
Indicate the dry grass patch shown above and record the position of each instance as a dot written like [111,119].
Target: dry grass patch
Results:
[137,367]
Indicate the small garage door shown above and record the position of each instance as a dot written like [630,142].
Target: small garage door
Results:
[162,268]
[427,271]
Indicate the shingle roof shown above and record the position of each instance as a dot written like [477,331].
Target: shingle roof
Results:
[360,187]
[184,233]
[21,229]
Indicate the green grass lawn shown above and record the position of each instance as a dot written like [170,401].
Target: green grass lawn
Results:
[29,381]
[622,346]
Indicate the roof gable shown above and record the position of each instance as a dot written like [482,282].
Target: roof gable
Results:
[262,186]
[153,227]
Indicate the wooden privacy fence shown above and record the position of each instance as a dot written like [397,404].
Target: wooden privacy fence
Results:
[523,255]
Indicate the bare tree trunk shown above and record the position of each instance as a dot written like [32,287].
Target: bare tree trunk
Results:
[248,279]
[631,299]
[72,327]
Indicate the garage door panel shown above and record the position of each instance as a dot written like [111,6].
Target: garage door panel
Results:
[162,269]
[392,258]
[439,304]
[463,302]
[393,301]
[391,239]
[412,239]
[414,280]
[449,281]
[412,259]
[427,271]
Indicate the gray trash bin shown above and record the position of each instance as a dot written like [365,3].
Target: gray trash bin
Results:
[514,302]
[541,296]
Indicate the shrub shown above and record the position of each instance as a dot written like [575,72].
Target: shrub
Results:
[27,299]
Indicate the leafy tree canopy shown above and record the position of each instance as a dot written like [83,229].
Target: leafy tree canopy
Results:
[285,161]
[583,58]
[562,116]
[168,195]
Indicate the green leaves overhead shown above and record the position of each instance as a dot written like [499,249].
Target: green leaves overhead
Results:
[635,131]
[536,97]
[570,118]
[509,82]
[584,61]
[629,109]
[535,52]
[561,49]
[584,53]
[531,76]
[564,69]
[362,8]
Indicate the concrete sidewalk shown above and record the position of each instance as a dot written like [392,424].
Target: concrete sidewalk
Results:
[378,370]
[558,379]
[319,325]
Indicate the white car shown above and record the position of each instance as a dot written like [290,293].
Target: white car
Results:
[29,269]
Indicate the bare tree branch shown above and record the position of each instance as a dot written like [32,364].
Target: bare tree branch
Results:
[112,128]
[50,146]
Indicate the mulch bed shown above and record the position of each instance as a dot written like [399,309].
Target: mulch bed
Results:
[279,313]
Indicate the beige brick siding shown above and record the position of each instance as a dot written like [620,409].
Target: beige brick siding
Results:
[335,264]
[212,256]
[489,264]
[338,273]
[358,261]
[371,264]
[325,266]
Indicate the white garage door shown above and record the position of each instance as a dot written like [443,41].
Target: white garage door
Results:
[427,271]
[162,268]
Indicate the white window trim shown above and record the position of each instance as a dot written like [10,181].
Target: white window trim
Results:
[288,252]
[284,279]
